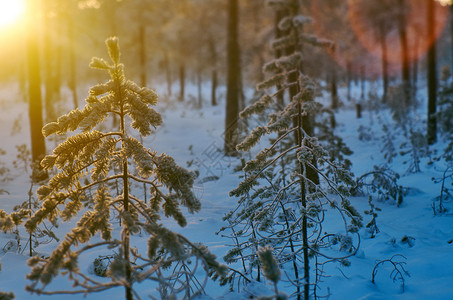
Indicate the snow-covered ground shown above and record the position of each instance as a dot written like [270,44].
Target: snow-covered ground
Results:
[194,138]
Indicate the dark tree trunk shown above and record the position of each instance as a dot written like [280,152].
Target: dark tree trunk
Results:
[334,91]
[182,81]
[385,73]
[142,40]
[72,64]
[214,75]
[278,53]
[362,82]
[349,78]
[49,68]
[415,67]
[38,146]
[358,111]
[333,87]
[168,74]
[214,88]
[305,122]
[451,36]
[200,89]
[233,80]
[125,234]
[405,68]
[431,76]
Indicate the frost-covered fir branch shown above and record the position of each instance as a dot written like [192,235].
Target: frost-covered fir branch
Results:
[90,161]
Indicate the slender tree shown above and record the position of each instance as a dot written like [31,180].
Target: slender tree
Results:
[38,146]
[233,80]
[87,162]
[431,76]
[279,204]
[405,65]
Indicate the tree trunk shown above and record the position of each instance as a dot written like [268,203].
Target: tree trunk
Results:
[349,79]
[405,68]
[182,81]
[125,233]
[431,76]
[168,74]
[278,53]
[233,80]
[362,82]
[47,65]
[142,40]
[385,73]
[38,146]
[72,64]
[214,88]
[333,87]
[415,66]
[304,123]
[199,89]
[214,75]
[333,90]
[451,36]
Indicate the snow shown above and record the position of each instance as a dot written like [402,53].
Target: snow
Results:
[194,138]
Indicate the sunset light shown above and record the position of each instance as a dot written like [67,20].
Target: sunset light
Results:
[11,11]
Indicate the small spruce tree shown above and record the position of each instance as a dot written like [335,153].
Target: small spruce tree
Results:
[86,164]
[288,186]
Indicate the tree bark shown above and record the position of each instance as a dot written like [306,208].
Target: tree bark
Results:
[125,233]
[385,73]
[405,67]
[451,36]
[214,88]
[168,74]
[333,87]
[214,76]
[72,64]
[362,82]
[200,89]
[349,79]
[38,146]
[142,39]
[431,76]
[182,81]
[278,53]
[47,65]
[233,80]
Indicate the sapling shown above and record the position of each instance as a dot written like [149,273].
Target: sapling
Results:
[445,191]
[372,225]
[289,186]
[86,163]
[383,182]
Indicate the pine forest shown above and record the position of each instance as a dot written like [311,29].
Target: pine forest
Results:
[226,149]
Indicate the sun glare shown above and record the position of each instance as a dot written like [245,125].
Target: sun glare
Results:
[11,11]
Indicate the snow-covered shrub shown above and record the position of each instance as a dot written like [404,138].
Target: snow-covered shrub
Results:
[86,163]
[383,183]
[446,190]
[397,270]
